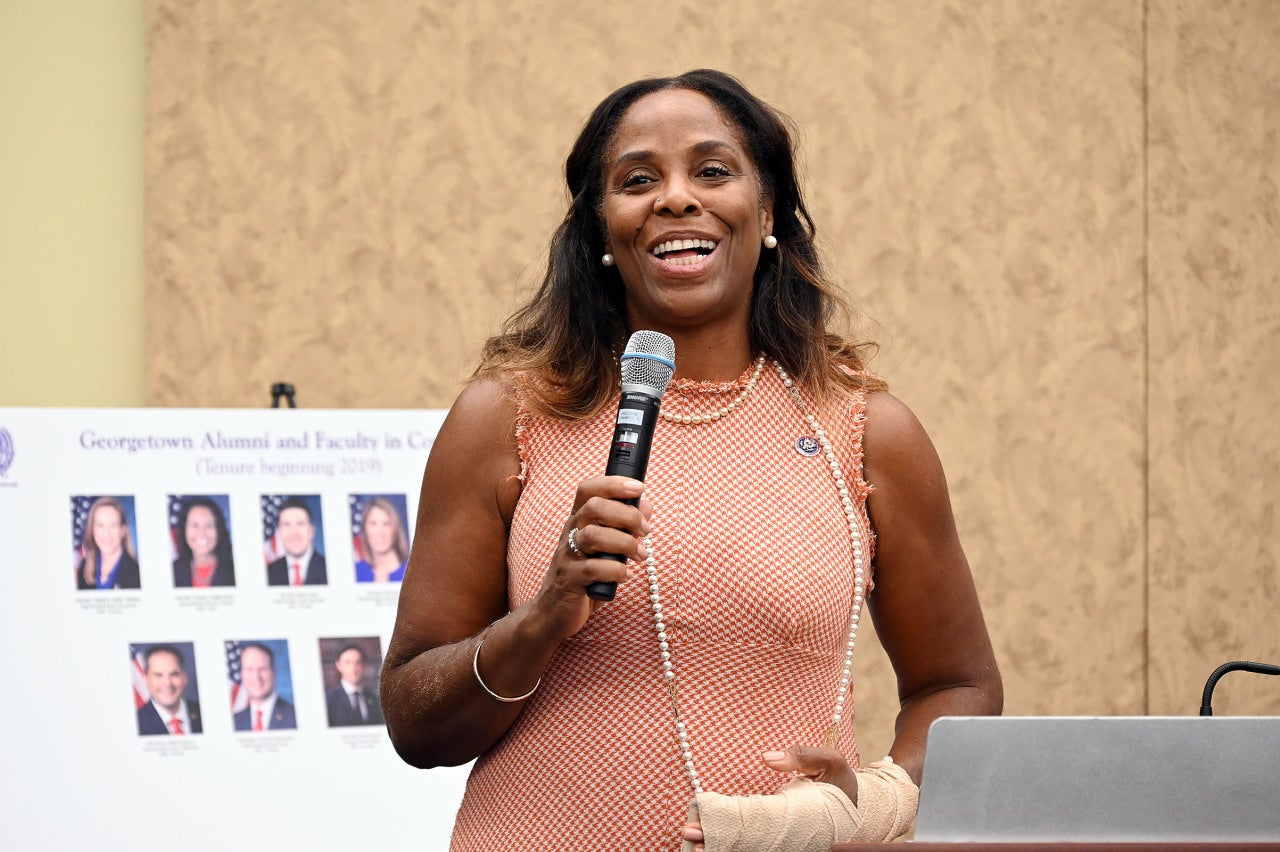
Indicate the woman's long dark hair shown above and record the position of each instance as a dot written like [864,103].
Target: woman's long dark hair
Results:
[221,550]
[570,332]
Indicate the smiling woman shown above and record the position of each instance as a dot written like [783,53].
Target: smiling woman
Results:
[382,542]
[717,685]
[204,545]
[108,558]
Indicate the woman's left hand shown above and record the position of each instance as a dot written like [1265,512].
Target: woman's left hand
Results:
[821,764]
[692,833]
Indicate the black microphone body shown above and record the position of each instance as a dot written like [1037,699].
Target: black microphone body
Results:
[633,435]
[642,386]
[628,456]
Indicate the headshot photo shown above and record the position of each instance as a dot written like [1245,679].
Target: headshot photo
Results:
[103,536]
[379,537]
[293,540]
[164,689]
[261,685]
[201,541]
[350,668]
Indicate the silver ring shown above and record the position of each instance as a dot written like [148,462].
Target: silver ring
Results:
[573,544]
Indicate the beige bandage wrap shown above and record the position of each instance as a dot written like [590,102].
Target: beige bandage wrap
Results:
[808,816]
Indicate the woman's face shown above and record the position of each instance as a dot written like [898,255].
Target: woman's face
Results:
[108,529]
[379,531]
[684,216]
[202,533]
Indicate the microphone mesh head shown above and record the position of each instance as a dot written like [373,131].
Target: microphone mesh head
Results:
[640,365]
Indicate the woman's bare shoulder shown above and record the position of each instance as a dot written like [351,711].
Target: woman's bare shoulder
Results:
[486,400]
[477,442]
[894,436]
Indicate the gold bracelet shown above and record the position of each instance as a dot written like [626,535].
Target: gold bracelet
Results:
[475,667]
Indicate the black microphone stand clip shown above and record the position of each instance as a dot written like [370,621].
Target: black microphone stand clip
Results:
[285,390]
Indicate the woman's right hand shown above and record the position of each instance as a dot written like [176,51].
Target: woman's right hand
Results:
[600,523]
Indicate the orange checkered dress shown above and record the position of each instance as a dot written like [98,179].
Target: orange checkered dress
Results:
[756,570]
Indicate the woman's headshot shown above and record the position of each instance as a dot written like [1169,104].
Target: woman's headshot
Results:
[108,558]
[202,541]
[380,542]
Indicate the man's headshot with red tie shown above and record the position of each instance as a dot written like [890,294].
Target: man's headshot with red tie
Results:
[167,709]
[266,709]
[294,549]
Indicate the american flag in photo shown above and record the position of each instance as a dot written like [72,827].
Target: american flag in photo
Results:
[239,696]
[272,548]
[175,510]
[79,517]
[138,675]
[358,502]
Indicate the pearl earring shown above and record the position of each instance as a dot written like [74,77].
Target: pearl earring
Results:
[607,260]
[770,241]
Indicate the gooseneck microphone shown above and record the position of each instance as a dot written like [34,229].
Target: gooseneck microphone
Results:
[1206,703]
[648,363]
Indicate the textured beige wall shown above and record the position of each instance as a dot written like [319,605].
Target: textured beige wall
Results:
[1215,350]
[980,183]
[352,197]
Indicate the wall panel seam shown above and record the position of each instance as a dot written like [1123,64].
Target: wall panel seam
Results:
[1146,360]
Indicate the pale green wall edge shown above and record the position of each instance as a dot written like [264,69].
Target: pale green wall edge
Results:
[72,123]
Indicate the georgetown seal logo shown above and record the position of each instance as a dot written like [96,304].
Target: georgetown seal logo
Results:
[807,446]
[6,451]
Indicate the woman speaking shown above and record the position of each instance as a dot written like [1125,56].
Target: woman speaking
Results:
[787,492]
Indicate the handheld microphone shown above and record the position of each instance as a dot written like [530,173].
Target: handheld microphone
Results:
[648,363]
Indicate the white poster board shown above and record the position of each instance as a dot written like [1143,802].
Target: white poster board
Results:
[82,769]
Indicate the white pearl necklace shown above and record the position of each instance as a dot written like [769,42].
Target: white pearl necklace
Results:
[723,412]
[855,537]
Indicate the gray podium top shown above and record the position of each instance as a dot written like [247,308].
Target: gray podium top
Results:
[1109,779]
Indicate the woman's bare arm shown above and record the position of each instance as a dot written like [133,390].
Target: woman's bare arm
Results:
[924,606]
[456,586]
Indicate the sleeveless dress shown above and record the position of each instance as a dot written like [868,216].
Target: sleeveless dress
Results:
[756,571]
